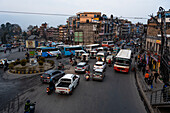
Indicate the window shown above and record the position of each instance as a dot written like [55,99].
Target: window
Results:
[85,15]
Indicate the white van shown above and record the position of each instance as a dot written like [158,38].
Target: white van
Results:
[102,55]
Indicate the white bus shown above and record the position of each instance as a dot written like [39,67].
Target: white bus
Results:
[123,61]
[92,47]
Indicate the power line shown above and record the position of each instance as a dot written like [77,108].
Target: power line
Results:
[53,14]
[133,17]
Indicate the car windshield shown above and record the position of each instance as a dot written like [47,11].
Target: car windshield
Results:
[80,65]
[100,56]
[66,80]
[98,73]
[109,57]
[98,64]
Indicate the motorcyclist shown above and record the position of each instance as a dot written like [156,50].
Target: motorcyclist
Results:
[88,73]
[60,66]
[51,85]
[5,65]
[27,106]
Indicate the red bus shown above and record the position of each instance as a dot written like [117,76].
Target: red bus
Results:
[108,44]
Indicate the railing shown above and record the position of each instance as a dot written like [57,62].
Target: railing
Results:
[160,97]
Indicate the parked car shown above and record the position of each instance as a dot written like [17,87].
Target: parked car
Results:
[99,65]
[67,84]
[82,67]
[98,74]
[51,75]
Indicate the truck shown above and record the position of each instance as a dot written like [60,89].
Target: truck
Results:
[67,84]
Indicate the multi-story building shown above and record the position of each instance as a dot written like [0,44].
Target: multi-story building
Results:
[63,33]
[87,28]
[108,28]
[53,33]
[154,45]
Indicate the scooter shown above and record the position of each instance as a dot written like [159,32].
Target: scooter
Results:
[32,107]
[60,67]
[87,77]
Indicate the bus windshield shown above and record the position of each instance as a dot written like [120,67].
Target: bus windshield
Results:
[123,62]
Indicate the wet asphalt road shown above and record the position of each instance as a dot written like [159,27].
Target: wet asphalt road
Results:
[116,94]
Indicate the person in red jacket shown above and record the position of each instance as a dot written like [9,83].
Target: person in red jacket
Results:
[109,62]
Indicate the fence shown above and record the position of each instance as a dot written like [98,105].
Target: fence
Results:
[160,97]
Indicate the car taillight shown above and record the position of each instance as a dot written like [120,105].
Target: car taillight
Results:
[83,67]
[48,77]
[76,67]
[41,76]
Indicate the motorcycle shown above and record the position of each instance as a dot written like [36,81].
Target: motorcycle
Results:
[31,108]
[87,77]
[5,68]
[60,67]
[49,90]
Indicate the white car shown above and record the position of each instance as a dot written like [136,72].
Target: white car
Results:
[99,65]
[2,62]
[67,84]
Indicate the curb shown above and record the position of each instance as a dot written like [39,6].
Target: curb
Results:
[143,94]
[22,75]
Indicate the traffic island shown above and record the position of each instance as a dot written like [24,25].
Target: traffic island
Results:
[25,67]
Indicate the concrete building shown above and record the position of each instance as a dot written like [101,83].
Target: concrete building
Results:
[63,33]
[53,33]
[153,45]
[87,28]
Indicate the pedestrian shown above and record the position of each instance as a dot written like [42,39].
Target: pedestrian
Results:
[156,76]
[19,49]
[139,65]
[151,78]
[10,49]
[4,50]
[144,70]
[146,77]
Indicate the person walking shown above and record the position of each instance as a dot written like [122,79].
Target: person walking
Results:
[156,76]
[151,78]
[146,77]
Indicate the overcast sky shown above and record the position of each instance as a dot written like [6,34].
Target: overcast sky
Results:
[125,8]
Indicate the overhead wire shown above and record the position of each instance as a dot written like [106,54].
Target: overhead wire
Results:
[55,14]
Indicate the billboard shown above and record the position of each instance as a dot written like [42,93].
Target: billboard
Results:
[31,44]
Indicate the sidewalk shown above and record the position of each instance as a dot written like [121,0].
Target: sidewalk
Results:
[146,90]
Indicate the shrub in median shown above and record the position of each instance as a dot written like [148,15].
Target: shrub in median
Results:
[40,63]
[42,59]
[11,66]
[23,62]
[17,61]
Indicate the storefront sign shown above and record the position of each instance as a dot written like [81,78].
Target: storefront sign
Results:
[158,41]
